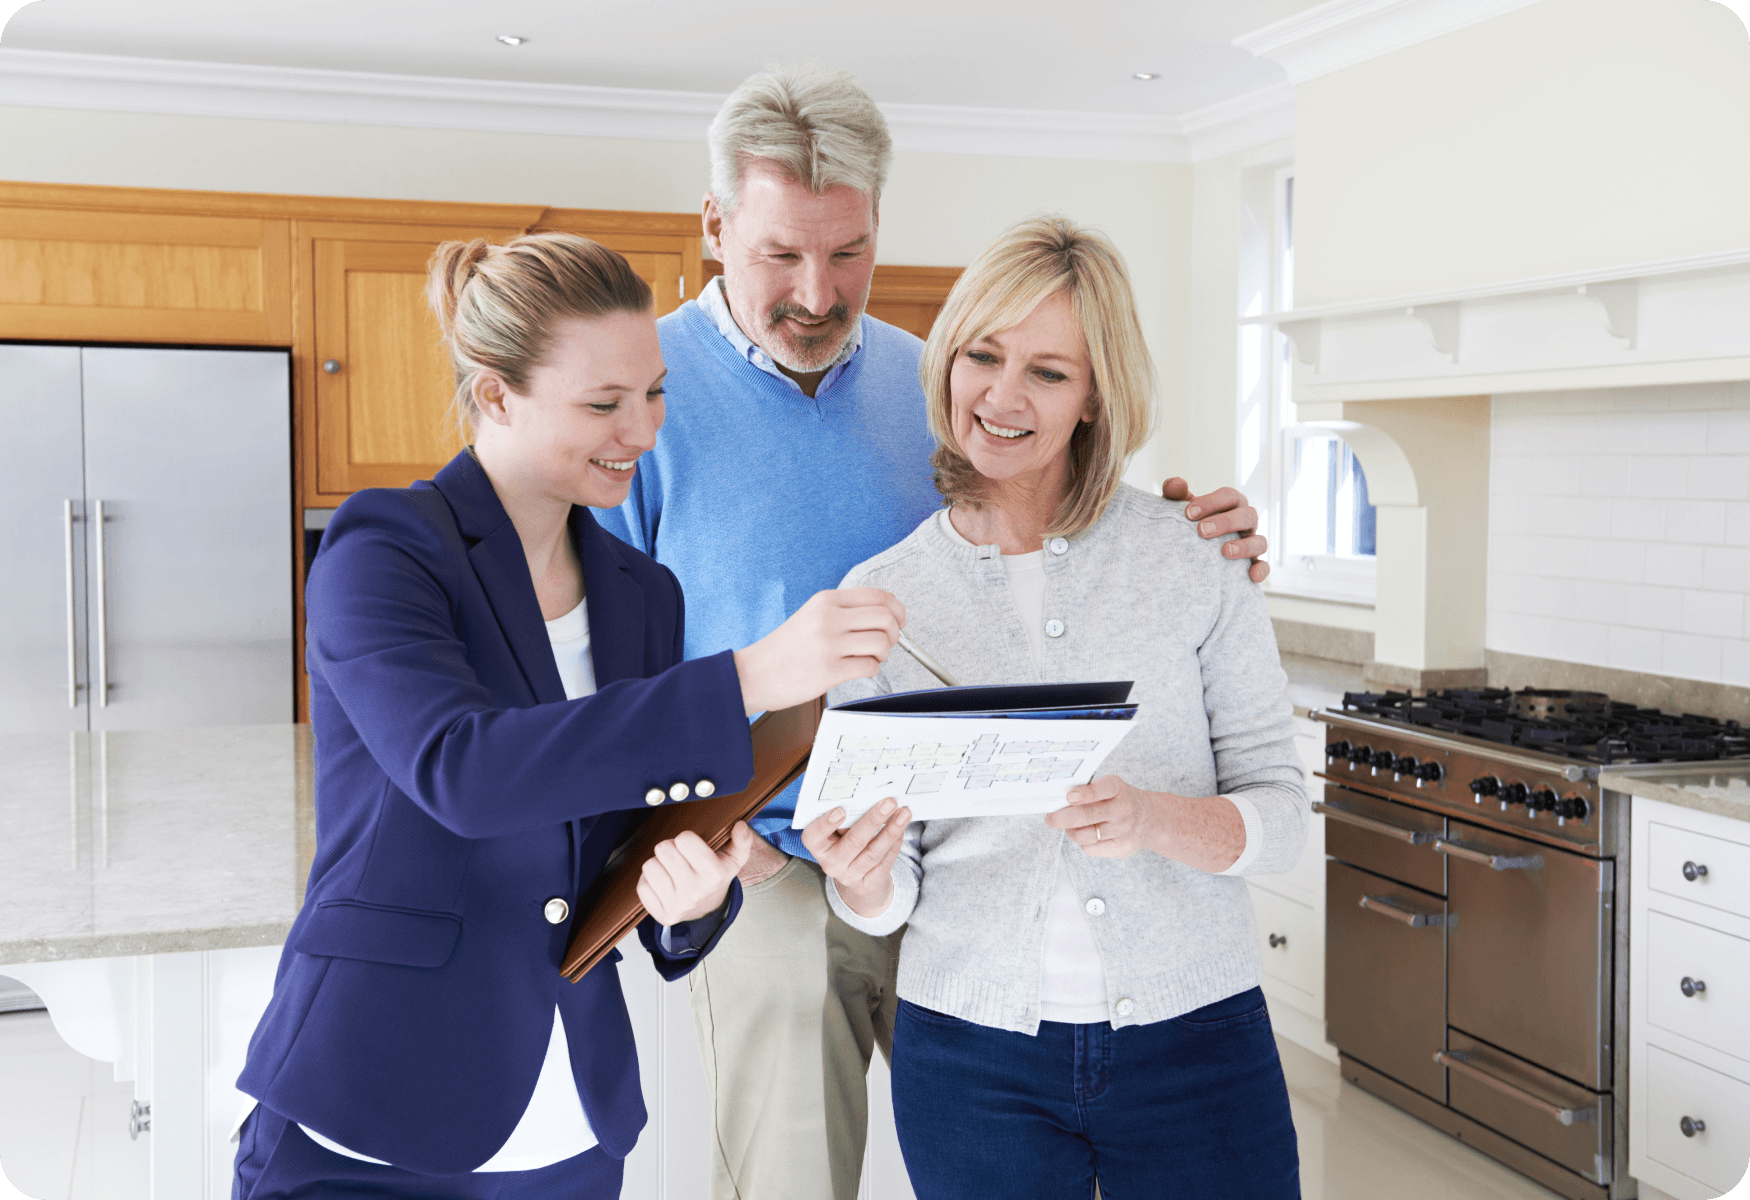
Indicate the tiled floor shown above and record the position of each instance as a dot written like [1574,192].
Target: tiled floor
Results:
[63,1133]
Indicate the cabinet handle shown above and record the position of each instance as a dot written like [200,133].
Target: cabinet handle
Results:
[1415,837]
[72,616]
[1390,906]
[1482,854]
[1692,987]
[1455,1060]
[102,615]
[332,366]
[1278,939]
[1692,1126]
[1694,871]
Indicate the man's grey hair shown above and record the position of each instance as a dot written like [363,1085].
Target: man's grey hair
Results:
[817,127]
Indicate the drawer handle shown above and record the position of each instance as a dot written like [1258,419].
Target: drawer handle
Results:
[1486,856]
[1457,1061]
[1692,1126]
[1415,837]
[1391,906]
[331,366]
[1692,987]
[1693,871]
[1278,939]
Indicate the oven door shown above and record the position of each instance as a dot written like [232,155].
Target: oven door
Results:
[1529,950]
[1385,976]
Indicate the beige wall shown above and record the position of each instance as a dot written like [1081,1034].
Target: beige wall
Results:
[1569,135]
[939,209]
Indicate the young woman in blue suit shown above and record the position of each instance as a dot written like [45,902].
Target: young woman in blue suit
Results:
[497,689]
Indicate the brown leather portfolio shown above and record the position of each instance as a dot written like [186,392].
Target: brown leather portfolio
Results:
[781,742]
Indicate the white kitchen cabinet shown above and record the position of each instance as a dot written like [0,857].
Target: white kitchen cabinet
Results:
[1689,1000]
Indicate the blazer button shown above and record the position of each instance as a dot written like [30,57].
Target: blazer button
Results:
[1125,1007]
[654,796]
[556,910]
[679,791]
[1054,628]
[1059,545]
[704,789]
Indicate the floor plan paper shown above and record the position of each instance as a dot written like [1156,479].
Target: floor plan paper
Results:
[947,766]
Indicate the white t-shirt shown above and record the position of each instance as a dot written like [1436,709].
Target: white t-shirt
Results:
[553,1127]
[1072,980]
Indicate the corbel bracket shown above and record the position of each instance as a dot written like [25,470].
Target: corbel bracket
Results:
[1621,301]
[1304,337]
[1441,322]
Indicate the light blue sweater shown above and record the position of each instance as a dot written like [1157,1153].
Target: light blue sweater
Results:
[757,496]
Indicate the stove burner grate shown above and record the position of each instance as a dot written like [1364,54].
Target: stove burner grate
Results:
[1591,730]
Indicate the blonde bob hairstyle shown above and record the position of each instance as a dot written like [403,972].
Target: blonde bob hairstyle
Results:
[496,305]
[1038,258]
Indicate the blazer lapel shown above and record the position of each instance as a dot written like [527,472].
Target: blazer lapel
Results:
[503,570]
[616,603]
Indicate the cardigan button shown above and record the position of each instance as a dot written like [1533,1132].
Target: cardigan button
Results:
[556,910]
[1125,1007]
[1059,545]
[704,789]
[1054,628]
[1096,907]
[679,791]
[655,796]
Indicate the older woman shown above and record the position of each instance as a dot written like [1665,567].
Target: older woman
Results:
[1079,994]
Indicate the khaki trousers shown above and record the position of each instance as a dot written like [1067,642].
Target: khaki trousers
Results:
[788,1007]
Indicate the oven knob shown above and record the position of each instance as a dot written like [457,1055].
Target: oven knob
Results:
[1542,800]
[1484,785]
[1382,760]
[1514,793]
[1337,750]
[1571,808]
[1430,772]
[1405,766]
[1360,755]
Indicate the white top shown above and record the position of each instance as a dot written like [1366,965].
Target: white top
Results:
[553,1127]
[1072,981]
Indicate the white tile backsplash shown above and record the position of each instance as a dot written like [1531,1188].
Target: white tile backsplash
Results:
[1619,529]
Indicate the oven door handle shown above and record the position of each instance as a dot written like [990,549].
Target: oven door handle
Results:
[1397,910]
[1415,837]
[1456,1060]
[1482,854]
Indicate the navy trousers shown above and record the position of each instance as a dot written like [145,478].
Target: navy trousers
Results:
[1191,1107]
[277,1161]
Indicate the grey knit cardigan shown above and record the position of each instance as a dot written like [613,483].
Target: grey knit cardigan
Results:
[1140,595]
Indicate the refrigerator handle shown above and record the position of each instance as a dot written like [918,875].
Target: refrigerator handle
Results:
[102,615]
[72,615]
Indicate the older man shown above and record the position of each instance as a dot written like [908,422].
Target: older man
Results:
[795,447]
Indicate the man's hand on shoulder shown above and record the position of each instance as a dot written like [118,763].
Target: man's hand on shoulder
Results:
[1221,512]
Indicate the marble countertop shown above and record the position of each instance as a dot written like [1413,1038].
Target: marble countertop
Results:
[153,842]
[1318,683]
[1722,788]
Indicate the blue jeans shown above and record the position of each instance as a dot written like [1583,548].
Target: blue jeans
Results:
[1191,1107]
[277,1161]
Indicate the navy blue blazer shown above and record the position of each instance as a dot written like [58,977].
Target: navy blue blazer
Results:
[457,792]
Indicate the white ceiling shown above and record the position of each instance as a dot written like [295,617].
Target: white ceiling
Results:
[1065,55]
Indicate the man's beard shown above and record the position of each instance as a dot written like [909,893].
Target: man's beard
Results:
[807,353]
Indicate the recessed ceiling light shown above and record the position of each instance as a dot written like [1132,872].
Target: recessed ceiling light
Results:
[1143,75]
[511,40]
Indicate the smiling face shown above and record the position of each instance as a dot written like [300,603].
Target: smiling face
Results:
[796,266]
[1016,397]
[590,407]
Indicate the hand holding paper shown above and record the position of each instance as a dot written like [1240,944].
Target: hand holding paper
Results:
[860,859]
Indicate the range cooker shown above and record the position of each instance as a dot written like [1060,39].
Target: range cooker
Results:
[1475,966]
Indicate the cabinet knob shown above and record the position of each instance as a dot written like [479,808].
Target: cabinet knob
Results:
[1692,987]
[1691,1126]
[1278,939]
[332,366]
[1694,871]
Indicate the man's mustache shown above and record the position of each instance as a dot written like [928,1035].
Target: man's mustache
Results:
[838,314]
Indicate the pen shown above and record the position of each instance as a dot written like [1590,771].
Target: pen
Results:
[929,664]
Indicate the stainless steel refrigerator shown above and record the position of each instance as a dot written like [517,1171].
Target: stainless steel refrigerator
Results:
[146,553]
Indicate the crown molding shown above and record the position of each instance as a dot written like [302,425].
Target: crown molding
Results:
[51,79]
[1342,33]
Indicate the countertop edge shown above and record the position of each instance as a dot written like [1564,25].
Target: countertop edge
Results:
[1666,794]
[170,941]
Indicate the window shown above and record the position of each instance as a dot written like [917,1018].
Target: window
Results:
[1316,509]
